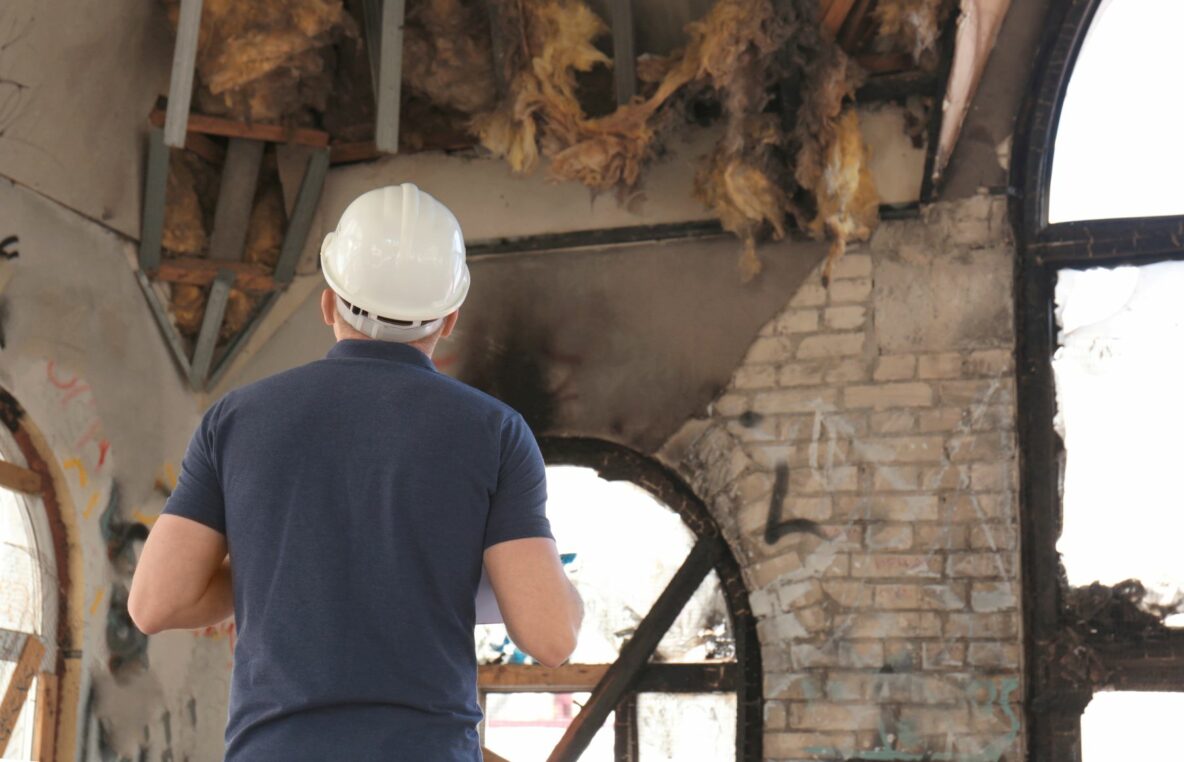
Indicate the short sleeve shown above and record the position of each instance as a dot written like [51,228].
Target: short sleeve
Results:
[518,508]
[198,494]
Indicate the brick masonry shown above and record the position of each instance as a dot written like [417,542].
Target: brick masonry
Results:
[895,630]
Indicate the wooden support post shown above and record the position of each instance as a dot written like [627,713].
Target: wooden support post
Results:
[181,83]
[624,57]
[621,676]
[19,479]
[211,324]
[384,41]
[155,183]
[28,664]
[300,221]
[236,196]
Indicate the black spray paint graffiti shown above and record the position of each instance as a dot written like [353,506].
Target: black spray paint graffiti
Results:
[8,248]
[775,526]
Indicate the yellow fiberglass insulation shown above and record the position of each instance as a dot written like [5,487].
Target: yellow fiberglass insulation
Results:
[266,60]
[848,206]
[741,49]
[184,230]
[913,26]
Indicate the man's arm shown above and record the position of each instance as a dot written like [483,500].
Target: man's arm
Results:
[182,580]
[542,610]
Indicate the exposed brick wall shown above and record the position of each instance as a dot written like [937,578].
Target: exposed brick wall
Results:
[890,624]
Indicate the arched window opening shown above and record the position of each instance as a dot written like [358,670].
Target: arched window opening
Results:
[1099,373]
[1117,152]
[649,573]
[28,603]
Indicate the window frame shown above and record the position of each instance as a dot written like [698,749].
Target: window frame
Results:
[1067,661]
[51,700]
[742,675]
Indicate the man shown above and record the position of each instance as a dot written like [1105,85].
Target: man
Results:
[357,498]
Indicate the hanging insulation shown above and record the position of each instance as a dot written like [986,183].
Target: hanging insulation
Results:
[912,26]
[447,54]
[266,60]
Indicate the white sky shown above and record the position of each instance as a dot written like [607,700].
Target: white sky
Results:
[1120,144]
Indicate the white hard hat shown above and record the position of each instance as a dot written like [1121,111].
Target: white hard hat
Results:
[396,263]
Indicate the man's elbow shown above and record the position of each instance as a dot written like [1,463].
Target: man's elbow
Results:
[556,652]
[148,617]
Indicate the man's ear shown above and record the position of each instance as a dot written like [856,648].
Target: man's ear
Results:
[328,306]
[449,323]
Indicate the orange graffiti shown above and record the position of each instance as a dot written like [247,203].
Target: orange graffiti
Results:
[76,463]
[91,502]
[144,518]
[94,605]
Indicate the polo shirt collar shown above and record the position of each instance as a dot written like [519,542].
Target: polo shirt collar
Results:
[373,349]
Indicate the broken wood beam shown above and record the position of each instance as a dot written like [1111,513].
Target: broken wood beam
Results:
[196,271]
[45,724]
[620,678]
[270,133]
[28,663]
[176,122]
[19,479]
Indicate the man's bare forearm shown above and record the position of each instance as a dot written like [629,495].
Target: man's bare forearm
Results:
[215,605]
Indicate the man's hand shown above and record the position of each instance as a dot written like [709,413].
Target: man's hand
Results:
[542,609]
[182,580]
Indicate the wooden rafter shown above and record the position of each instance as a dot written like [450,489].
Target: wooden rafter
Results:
[19,479]
[271,133]
[692,677]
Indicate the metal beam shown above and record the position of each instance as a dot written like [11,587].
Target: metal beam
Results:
[622,675]
[384,41]
[171,336]
[181,83]
[211,324]
[624,57]
[236,195]
[27,665]
[302,211]
[155,184]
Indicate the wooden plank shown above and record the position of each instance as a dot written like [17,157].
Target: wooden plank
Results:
[388,86]
[155,183]
[19,479]
[236,196]
[27,666]
[45,724]
[836,14]
[529,678]
[211,324]
[300,221]
[345,153]
[196,271]
[624,57]
[269,133]
[621,676]
[181,81]
[688,677]
[626,739]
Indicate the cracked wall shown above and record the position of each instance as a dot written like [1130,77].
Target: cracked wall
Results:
[862,464]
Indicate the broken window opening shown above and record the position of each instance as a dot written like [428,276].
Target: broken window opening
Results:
[1110,717]
[657,579]
[1117,152]
[1119,368]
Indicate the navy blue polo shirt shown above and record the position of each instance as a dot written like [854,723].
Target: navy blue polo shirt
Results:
[357,494]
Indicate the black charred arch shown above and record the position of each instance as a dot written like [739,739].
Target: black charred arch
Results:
[1072,647]
[615,462]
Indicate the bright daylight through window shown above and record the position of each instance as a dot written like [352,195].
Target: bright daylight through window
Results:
[20,608]
[1131,725]
[1119,375]
[621,547]
[1118,151]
